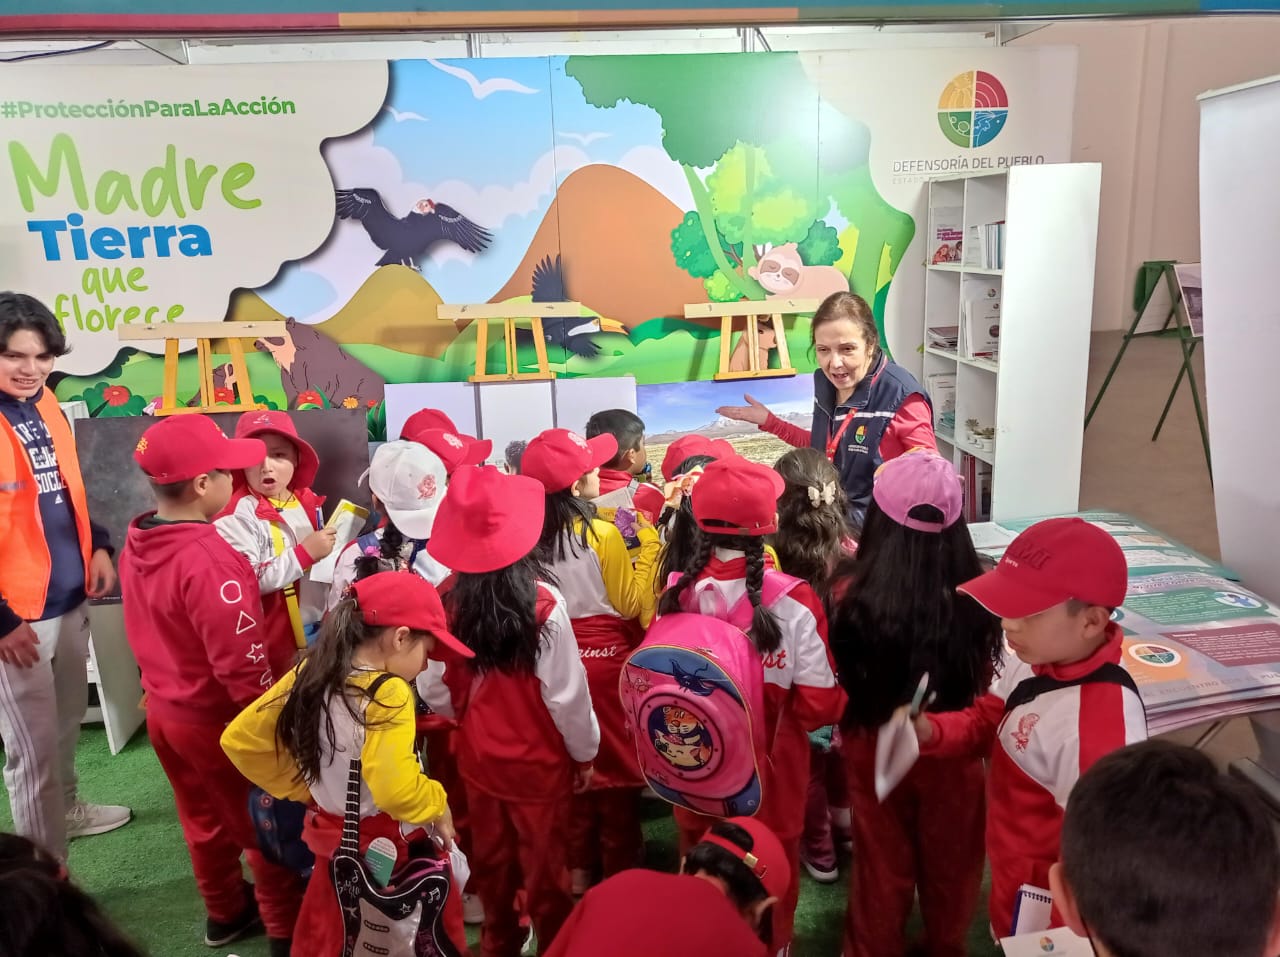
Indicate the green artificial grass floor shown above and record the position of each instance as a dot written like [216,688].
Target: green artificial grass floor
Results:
[142,875]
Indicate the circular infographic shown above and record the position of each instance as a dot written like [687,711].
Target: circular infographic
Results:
[1236,600]
[972,109]
[1158,656]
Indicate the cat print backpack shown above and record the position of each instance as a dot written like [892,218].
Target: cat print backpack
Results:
[693,696]
[400,920]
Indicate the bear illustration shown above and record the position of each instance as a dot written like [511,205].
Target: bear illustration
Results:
[310,361]
[785,276]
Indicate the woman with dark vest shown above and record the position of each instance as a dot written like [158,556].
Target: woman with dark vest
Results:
[866,409]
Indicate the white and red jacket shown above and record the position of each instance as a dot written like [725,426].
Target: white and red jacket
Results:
[801,693]
[520,735]
[193,618]
[608,606]
[1038,751]
[270,536]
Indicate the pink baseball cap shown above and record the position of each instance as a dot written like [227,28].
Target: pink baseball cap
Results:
[919,478]
[1051,562]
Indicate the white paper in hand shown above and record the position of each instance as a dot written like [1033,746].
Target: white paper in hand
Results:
[1060,942]
[461,868]
[897,747]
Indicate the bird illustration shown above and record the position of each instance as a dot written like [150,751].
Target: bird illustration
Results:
[584,139]
[481,89]
[572,335]
[407,239]
[404,116]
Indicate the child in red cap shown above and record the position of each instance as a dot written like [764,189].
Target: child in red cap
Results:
[195,623]
[608,609]
[527,731]
[272,520]
[1055,708]
[735,504]
[297,740]
[721,902]
[895,616]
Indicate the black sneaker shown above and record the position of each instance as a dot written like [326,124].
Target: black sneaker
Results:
[280,946]
[220,933]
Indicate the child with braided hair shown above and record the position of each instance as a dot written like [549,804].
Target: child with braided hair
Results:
[734,506]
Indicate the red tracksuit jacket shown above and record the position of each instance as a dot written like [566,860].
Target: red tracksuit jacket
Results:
[194,620]
[1038,752]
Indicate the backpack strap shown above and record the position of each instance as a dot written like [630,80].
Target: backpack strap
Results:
[776,587]
[351,818]
[1029,689]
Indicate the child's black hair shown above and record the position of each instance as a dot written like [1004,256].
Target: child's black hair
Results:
[623,425]
[18,311]
[388,559]
[513,454]
[682,532]
[323,677]
[1164,855]
[742,886]
[811,537]
[895,614]
[45,915]
[495,614]
[558,539]
[765,631]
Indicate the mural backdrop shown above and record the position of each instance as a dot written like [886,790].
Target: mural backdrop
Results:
[351,199]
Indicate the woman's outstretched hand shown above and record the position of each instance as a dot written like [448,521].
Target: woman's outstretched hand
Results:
[754,412]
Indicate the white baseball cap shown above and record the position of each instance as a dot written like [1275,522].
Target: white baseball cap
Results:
[409,480]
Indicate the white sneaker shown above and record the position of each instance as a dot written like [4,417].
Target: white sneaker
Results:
[821,875]
[530,945]
[472,909]
[84,820]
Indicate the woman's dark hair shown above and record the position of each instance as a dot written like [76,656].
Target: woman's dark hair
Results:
[45,915]
[388,558]
[323,676]
[765,632]
[848,305]
[895,614]
[682,531]
[742,886]
[20,311]
[810,538]
[495,614]
[558,539]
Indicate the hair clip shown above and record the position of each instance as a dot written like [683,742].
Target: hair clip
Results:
[823,496]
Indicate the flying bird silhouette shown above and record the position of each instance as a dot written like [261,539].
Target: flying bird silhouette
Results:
[585,139]
[402,116]
[481,89]
[575,336]
[406,240]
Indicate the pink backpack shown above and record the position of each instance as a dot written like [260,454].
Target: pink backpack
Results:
[693,696]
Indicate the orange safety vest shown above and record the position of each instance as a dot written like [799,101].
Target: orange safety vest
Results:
[24,574]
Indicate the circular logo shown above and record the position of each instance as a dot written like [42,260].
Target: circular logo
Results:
[972,109]
[1158,656]
[1236,600]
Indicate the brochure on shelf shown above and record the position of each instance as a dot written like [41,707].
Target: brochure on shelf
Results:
[946,234]
[980,328]
[942,392]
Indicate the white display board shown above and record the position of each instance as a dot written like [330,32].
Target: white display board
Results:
[1239,234]
[578,399]
[457,400]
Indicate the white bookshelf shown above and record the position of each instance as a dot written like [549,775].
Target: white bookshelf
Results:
[1033,392]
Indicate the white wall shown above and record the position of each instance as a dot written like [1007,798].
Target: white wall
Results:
[1136,113]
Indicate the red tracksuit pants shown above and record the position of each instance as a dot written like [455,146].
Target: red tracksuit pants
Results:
[519,844]
[928,836]
[213,808]
[604,830]
[320,932]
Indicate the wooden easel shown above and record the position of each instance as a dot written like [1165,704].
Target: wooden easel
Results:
[170,333]
[535,312]
[751,311]
[1175,322]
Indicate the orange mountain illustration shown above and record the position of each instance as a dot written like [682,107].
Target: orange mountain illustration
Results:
[612,231]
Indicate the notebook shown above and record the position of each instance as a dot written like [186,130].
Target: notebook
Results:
[1032,911]
[1060,942]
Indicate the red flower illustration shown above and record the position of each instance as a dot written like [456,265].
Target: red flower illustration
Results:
[310,397]
[372,403]
[116,395]
[224,395]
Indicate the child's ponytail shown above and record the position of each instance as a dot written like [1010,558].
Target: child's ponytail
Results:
[698,560]
[765,631]
[388,557]
[322,675]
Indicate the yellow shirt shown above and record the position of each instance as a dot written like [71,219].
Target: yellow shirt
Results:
[393,779]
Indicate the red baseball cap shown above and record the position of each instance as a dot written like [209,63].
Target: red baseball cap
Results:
[1049,563]
[180,447]
[254,425]
[766,859]
[737,497]
[489,520]
[559,457]
[689,445]
[392,599]
[425,419]
[453,448]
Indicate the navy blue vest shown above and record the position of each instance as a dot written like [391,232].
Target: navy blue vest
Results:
[875,401]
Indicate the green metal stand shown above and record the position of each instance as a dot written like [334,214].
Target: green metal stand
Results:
[1150,274]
